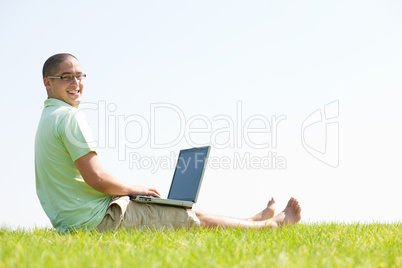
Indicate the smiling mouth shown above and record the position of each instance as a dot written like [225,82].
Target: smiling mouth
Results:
[74,92]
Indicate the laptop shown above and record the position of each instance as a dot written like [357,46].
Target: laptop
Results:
[187,179]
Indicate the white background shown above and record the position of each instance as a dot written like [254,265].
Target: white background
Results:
[275,58]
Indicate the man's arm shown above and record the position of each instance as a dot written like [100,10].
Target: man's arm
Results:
[101,180]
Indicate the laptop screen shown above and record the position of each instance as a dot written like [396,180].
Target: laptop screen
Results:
[188,174]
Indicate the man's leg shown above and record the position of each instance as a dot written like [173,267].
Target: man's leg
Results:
[290,215]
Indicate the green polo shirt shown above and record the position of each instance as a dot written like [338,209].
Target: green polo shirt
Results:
[62,137]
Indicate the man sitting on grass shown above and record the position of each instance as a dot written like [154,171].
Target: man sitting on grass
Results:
[76,192]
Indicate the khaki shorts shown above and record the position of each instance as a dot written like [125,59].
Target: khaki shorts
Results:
[122,213]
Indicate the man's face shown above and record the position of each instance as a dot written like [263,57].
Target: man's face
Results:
[67,91]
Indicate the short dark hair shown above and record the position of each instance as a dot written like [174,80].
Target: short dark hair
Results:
[51,65]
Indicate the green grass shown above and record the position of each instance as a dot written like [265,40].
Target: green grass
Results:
[304,245]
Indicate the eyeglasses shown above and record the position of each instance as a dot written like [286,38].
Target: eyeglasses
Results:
[69,77]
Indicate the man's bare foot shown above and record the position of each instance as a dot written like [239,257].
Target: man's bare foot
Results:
[290,215]
[266,214]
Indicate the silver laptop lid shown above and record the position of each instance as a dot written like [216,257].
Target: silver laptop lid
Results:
[188,174]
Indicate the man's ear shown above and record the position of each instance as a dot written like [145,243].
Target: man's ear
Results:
[46,82]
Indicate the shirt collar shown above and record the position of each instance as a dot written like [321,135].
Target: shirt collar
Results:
[56,102]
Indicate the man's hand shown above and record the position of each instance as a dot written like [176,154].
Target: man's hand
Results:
[144,190]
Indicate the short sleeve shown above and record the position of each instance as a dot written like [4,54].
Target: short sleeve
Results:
[77,135]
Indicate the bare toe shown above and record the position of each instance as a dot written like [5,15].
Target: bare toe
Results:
[267,213]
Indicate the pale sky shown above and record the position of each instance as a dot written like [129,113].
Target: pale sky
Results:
[296,98]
